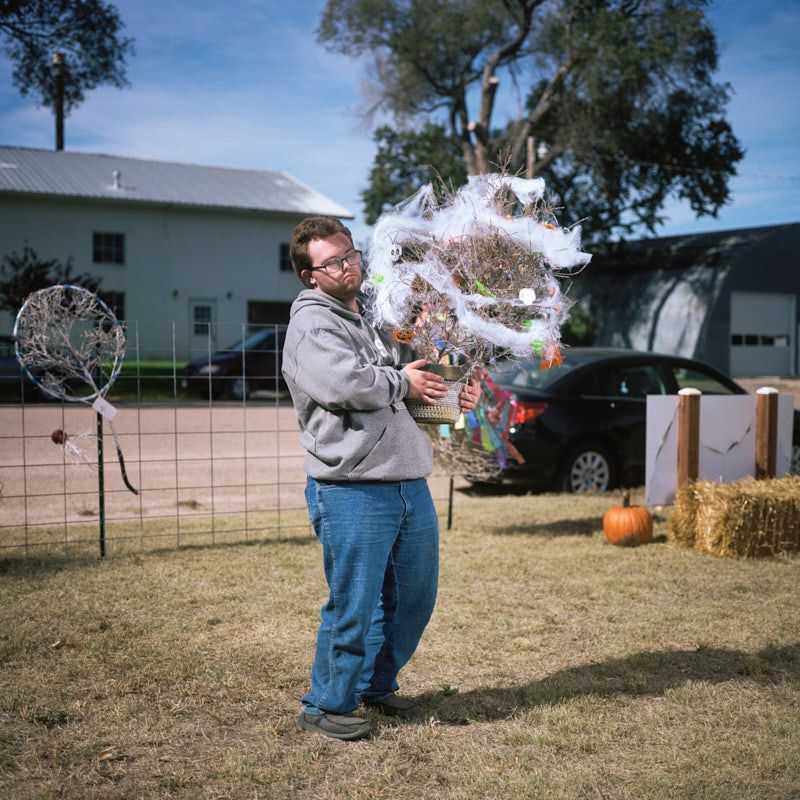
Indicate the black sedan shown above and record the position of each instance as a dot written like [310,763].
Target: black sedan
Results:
[15,383]
[250,365]
[581,426]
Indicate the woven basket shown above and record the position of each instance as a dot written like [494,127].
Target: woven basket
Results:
[447,409]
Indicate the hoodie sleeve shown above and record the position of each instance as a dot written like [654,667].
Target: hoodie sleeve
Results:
[332,372]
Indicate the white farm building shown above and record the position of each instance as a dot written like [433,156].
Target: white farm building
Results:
[176,246]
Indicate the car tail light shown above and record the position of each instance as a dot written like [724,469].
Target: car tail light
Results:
[522,412]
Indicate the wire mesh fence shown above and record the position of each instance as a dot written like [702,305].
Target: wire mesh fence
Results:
[210,447]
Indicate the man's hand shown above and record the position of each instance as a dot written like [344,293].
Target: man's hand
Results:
[425,386]
[470,395]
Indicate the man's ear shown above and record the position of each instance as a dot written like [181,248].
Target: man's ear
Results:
[307,279]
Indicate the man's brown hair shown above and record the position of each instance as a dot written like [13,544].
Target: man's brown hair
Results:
[309,230]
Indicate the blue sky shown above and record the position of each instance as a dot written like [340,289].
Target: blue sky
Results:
[244,84]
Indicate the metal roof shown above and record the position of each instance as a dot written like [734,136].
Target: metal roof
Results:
[61,173]
[714,249]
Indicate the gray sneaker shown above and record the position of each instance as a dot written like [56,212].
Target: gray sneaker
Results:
[395,706]
[337,726]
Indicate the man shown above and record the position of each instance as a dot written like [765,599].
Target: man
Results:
[367,494]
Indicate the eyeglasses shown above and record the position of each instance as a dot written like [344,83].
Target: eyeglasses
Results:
[335,265]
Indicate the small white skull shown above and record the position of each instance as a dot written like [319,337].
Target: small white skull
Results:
[396,252]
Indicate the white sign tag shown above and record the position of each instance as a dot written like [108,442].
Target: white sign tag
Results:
[104,408]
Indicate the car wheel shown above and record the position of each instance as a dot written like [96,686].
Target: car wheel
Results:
[587,468]
[239,388]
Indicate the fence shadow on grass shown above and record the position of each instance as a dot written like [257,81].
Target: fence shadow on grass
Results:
[15,565]
[496,489]
[586,526]
[645,673]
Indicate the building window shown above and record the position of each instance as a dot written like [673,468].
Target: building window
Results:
[115,301]
[285,260]
[762,339]
[203,316]
[108,248]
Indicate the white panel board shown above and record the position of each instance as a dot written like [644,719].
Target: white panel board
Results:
[727,441]
[727,438]
[661,453]
[785,428]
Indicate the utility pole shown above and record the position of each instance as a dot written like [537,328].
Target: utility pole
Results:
[59,68]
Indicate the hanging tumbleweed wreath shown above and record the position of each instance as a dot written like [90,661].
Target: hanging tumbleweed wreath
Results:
[72,346]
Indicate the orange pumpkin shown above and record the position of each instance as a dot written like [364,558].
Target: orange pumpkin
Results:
[627,525]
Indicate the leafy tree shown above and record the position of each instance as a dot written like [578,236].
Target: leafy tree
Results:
[580,329]
[20,275]
[620,91]
[405,161]
[88,32]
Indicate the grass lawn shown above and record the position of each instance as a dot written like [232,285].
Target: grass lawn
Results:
[556,666]
[148,380]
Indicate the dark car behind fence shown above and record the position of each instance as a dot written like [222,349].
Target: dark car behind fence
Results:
[15,383]
[249,365]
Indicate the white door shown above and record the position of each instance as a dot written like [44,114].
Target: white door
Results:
[762,334]
[202,327]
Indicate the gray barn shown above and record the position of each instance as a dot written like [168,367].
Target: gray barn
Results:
[729,298]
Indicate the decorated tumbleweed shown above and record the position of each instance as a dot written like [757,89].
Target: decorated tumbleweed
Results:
[474,276]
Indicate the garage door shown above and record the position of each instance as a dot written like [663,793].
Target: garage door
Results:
[762,334]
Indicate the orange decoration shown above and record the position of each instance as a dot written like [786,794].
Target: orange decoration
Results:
[627,525]
[404,335]
[555,360]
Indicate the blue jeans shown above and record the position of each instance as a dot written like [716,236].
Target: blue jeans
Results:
[380,546]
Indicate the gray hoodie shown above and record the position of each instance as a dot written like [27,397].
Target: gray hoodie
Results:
[348,395]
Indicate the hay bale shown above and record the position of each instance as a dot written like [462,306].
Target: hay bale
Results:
[743,519]
[683,520]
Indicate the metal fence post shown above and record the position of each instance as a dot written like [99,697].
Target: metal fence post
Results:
[101,484]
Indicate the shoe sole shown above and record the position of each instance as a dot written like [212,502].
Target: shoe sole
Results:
[358,732]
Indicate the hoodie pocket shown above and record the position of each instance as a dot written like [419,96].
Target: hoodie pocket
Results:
[370,458]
